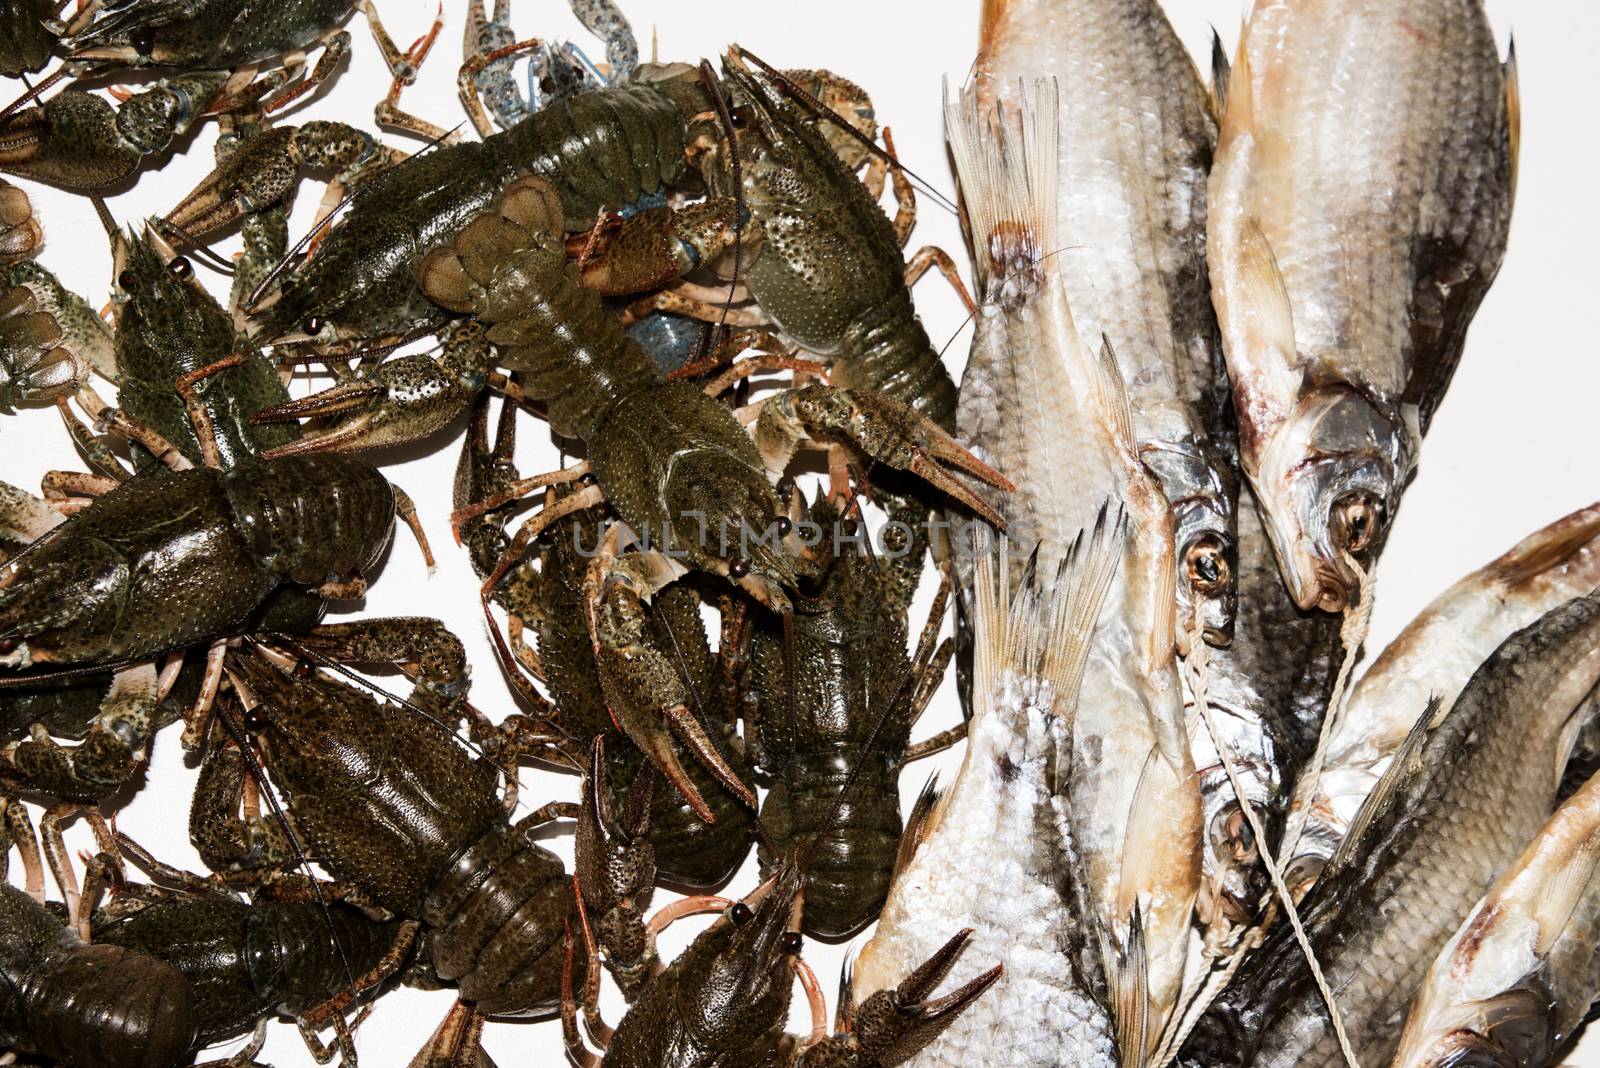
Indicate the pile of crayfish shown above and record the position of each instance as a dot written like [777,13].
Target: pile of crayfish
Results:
[1206,347]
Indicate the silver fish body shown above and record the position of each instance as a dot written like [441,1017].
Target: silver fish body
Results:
[1038,402]
[1517,978]
[1358,213]
[996,849]
[1134,152]
[1461,799]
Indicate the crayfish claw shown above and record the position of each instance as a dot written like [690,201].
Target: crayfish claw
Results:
[885,429]
[892,1026]
[404,400]
[70,140]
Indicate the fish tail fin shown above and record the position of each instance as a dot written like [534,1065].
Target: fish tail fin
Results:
[1042,633]
[1006,165]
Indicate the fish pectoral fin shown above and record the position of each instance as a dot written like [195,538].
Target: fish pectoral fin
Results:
[1263,293]
[1566,886]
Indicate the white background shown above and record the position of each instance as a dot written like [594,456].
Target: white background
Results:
[1511,448]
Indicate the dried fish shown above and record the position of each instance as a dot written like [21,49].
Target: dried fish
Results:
[1039,403]
[1134,152]
[1358,213]
[997,848]
[1436,654]
[1519,975]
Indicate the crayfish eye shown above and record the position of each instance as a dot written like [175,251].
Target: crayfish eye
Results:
[791,943]
[1206,564]
[740,914]
[740,116]
[143,40]
[254,721]
[1355,522]
[180,268]
[738,567]
[312,325]
[547,85]
[127,280]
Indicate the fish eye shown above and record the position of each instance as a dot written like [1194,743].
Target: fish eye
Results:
[1242,836]
[143,40]
[740,914]
[1356,522]
[1206,564]
[180,267]
[792,941]
[1232,835]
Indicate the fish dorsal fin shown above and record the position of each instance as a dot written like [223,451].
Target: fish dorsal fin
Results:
[1236,100]
[1220,70]
[919,824]
[1549,548]
[1407,761]
[1513,111]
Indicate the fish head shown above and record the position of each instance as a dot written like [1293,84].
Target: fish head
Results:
[1201,493]
[1234,877]
[1329,482]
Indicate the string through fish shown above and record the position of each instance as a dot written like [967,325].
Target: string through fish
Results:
[1352,632]
[1198,676]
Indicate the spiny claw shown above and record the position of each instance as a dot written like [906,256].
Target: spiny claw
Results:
[71,140]
[613,859]
[892,1026]
[260,174]
[885,429]
[656,744]
[404,400]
